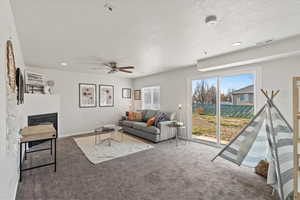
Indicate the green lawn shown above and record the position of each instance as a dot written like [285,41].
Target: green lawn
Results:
[205,125]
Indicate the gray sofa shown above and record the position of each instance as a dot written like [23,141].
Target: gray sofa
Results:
[157,133]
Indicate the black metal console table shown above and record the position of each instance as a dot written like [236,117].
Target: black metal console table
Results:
[38,133]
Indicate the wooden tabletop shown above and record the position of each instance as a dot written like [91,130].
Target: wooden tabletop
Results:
[39,132]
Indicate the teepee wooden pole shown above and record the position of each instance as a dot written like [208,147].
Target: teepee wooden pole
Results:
[275,94]
[272,95]
[265,93]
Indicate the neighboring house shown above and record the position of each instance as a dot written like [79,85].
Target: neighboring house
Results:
[243,96]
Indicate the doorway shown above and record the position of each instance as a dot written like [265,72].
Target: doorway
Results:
[222,106]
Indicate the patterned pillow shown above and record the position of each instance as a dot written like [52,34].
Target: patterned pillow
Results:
[162,117]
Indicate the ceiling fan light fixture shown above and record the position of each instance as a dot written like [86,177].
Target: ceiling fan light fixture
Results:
[108,7]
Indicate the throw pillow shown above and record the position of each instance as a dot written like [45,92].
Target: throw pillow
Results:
[149,114]
[157,118]
[151,121]
[138,116]
[130,116]
[162,117]
[134,116]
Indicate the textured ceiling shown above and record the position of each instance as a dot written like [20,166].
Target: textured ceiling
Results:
[152,35]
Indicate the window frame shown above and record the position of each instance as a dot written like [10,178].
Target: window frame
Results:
[152,105]
[256,71]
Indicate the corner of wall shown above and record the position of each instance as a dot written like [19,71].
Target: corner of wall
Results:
[9,111]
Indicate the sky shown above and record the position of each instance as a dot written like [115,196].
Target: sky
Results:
[229,82]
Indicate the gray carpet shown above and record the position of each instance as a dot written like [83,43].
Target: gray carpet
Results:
[166,172]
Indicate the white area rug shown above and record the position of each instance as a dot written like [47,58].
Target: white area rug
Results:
[97,153]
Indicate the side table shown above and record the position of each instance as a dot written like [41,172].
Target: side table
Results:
[178,127]
[37,133]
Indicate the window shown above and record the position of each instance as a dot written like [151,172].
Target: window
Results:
[151,98]
[221,106]
[244,97]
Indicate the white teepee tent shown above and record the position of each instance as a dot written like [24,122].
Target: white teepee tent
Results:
[267,137]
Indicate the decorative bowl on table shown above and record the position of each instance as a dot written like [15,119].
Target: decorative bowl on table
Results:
[176,124]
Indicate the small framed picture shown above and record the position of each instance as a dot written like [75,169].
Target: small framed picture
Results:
[87,95]
[33,78]
[126,93]
[137,94]
[106,95]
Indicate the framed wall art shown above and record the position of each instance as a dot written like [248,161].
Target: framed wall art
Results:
[126,93]
[87,95]
[106,95]
[34,82]
[33,78]
[137,94]
[11,65]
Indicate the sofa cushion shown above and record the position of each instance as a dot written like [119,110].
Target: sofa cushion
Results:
[139,125]
[144,112]
[142,126]
[128,123]
[149,114]
[151,129]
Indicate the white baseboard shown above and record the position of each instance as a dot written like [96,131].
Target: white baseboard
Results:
[75,133]
[16,187]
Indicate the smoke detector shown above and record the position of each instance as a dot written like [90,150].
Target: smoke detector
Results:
[211,19]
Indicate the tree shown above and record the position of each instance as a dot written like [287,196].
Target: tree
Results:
[204,93]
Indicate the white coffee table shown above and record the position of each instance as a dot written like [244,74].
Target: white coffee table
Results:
[110,129]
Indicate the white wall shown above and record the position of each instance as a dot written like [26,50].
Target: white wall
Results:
[8,145]
[75,120]
[35,105]
[272,75]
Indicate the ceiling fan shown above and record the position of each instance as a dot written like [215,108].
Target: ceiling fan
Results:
[113,68]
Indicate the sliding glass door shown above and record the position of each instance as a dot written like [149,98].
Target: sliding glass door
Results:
[222,106]
[236,104]
[204,117]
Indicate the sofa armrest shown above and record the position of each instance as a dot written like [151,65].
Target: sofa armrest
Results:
[166,132]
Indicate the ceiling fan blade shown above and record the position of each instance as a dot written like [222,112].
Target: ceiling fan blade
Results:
[107,65]
[124,70]
[128,67]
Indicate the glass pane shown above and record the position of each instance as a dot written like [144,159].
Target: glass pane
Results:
[151,98]
[237,104]
[146,98]
[156,92]
[204,109]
